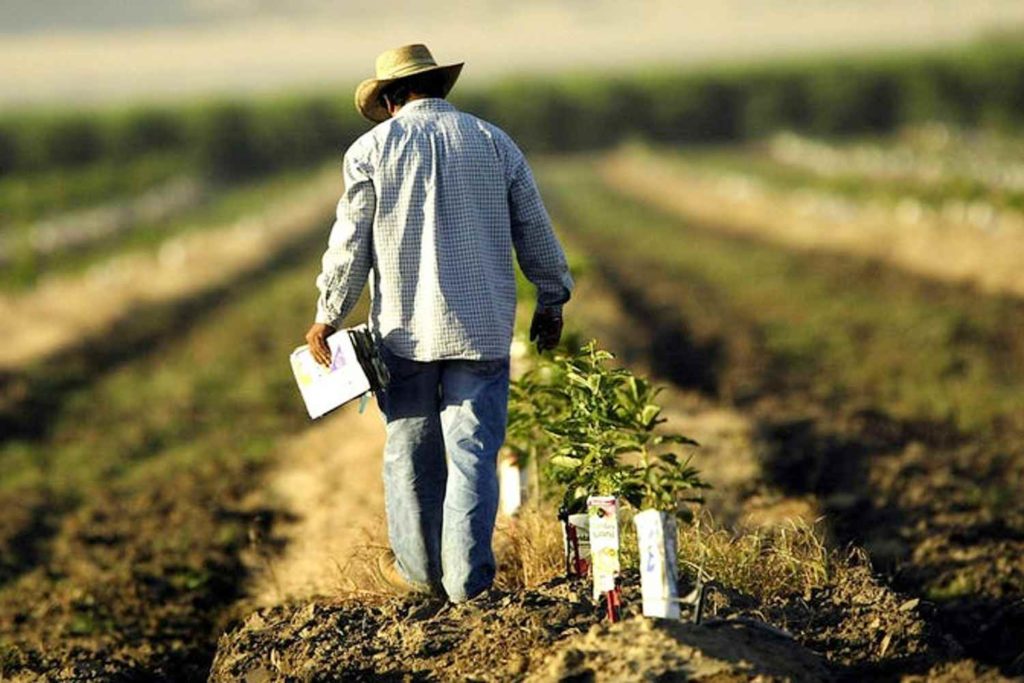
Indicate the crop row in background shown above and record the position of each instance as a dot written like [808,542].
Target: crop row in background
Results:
[977,85]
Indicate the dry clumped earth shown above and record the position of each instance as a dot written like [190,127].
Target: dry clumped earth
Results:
[721,651]
[551,632]
[852,629]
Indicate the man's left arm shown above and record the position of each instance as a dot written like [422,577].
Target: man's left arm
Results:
[347,261]
[539,253]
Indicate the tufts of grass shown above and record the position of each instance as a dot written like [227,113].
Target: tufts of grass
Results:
[769,564]
[529,549]
[361,577]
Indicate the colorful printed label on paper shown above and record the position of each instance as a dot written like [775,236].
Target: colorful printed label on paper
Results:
[603,518]
[324,389]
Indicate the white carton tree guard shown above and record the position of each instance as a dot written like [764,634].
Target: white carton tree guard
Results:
[659,570]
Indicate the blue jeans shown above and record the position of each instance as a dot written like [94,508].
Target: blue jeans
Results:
[441,510]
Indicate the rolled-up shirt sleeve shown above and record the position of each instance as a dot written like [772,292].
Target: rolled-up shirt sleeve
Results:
[538,251]
[349,256]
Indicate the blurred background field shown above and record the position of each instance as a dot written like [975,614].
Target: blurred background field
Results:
[99,50]
[808,214]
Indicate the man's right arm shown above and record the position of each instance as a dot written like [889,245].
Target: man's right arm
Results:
[347,261]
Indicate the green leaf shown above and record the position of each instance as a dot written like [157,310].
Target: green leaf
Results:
[649,413]
[678,439]
[566,462]
[634,388]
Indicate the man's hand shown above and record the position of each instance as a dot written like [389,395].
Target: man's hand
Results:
[546,327]
[317,340]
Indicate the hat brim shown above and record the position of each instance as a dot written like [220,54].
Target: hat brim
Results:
[368,92]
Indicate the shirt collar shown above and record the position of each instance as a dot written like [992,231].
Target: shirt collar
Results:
[427,104]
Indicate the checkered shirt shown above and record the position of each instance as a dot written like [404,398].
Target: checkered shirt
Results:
[435,200]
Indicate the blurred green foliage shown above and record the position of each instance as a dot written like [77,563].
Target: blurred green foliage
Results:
[29,196]
[228,140]
[229,204]
[978,85]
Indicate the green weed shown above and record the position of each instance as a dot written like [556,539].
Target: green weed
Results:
[961,585]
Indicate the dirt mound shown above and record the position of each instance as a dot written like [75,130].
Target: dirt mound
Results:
[553,632]
[86,304]
[643,649]
[496,637]
[863,627]
[940,248]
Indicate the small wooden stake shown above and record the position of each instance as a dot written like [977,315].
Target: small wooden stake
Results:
[613,604]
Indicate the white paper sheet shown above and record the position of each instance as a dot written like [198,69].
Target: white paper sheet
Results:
[324,389]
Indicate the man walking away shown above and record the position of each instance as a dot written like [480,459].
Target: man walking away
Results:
[435,202]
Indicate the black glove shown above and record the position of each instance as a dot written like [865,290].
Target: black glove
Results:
[546,327]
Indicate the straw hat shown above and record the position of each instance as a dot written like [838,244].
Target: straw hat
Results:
[393,65]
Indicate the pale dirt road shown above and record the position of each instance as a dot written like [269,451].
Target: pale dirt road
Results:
[327,481]
[65,309]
